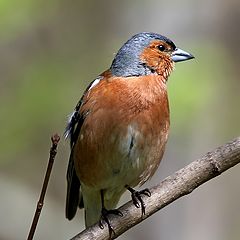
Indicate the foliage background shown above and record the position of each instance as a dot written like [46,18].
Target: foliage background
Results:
[51,50]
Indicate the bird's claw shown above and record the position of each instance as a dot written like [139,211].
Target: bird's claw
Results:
[104,218]
[137,198]
[145,192]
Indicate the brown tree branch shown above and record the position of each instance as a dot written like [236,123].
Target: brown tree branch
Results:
[173,187]
[53,151]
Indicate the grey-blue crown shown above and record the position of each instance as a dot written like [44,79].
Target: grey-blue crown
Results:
[127,61]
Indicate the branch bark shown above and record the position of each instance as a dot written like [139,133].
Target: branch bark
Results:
[173,187]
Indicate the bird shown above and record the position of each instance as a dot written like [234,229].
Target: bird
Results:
[119,128]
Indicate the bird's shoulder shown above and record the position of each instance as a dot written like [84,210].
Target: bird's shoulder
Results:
[76,118]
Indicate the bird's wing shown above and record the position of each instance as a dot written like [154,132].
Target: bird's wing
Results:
[74,195]
[73,190]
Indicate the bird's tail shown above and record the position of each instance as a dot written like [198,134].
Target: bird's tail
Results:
[93,205]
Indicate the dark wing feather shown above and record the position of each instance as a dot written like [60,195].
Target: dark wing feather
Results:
[74,195]
[73,188]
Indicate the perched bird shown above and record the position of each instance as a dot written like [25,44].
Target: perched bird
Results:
[119,128]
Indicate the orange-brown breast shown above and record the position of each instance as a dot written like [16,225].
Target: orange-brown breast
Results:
[116,108]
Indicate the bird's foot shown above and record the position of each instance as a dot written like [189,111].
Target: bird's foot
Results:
[104,218]
[137,198]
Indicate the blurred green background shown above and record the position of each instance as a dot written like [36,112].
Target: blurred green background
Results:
[49,53]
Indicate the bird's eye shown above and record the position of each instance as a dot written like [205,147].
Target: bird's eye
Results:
[161,48]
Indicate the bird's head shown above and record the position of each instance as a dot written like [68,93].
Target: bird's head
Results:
[147,53]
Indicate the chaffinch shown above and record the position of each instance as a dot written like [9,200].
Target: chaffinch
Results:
[119,128]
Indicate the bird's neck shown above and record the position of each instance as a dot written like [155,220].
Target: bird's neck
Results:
[161,67]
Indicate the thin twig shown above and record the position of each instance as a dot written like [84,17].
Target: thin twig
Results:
[53,151]
[173,187]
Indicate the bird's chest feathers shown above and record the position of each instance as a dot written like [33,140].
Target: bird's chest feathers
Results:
[142,93]
[141,127]
[126,97]
[123,127]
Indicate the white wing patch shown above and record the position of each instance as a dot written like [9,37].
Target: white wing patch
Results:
[94,83]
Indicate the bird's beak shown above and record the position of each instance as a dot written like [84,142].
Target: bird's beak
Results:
[179,55]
